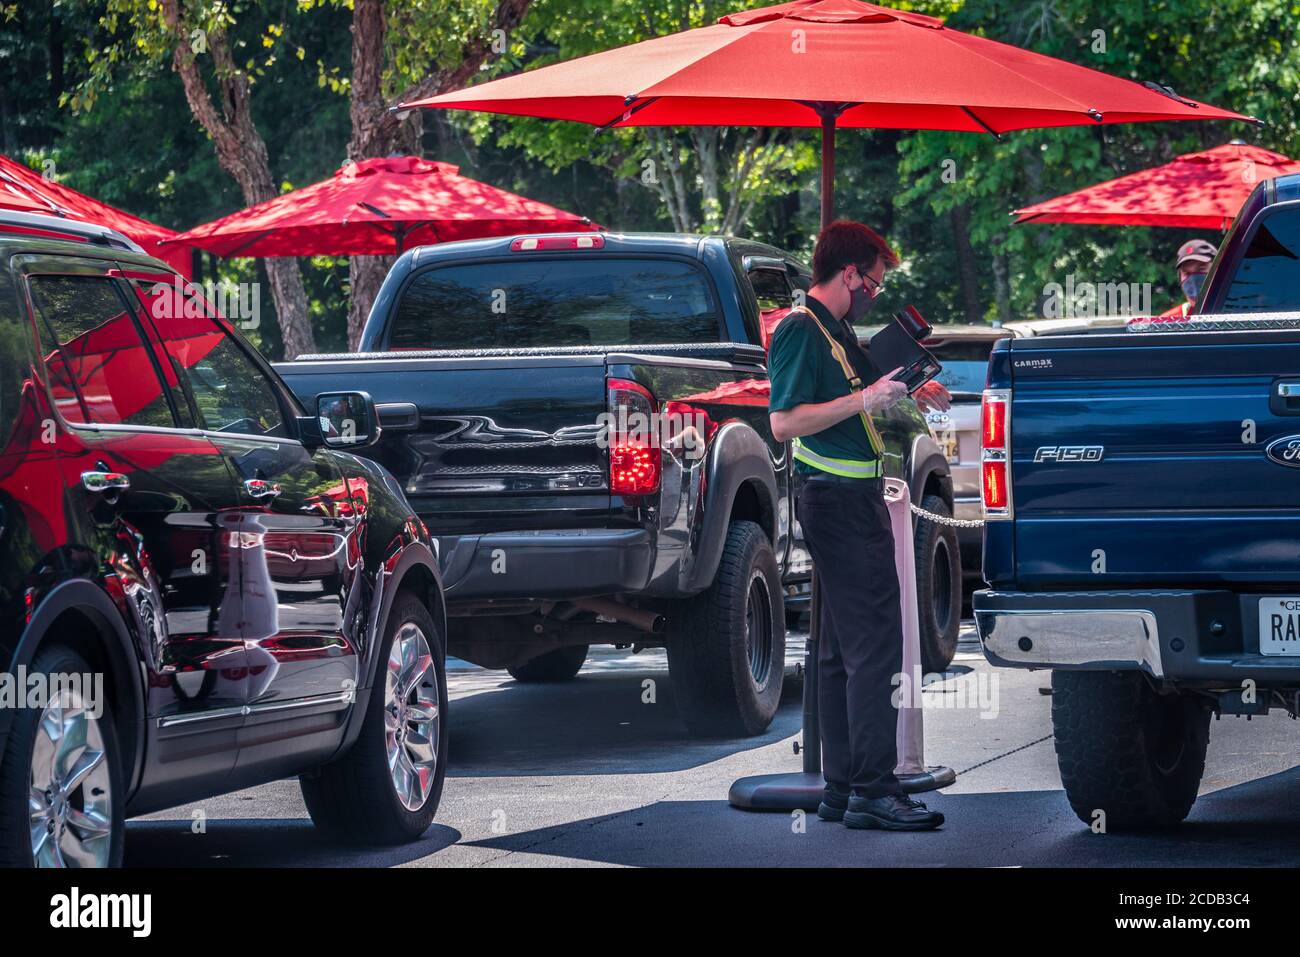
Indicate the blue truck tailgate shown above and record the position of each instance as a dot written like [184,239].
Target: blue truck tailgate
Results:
[1155,458]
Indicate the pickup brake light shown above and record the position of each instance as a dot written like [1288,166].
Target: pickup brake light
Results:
[995,454]
[634,466]
[529,244]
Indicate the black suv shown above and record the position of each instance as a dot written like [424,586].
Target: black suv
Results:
[199,591]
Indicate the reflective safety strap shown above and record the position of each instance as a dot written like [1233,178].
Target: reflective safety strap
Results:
[855,382]
[849,468]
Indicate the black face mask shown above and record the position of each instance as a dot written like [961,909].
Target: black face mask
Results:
[1192,286]
[861,303]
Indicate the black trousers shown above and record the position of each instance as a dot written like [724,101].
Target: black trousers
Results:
[860,629]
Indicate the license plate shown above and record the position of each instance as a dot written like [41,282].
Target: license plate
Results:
[949,446]
[1279,626]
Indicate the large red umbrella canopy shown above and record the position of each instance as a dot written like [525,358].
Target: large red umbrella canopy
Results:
[21,187]
[379,206]
[1195,191]
[826,63]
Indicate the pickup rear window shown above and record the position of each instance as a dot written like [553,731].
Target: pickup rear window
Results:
[1268,279]
[538,303]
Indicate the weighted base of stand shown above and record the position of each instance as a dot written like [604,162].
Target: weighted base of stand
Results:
[803,791]
[931,779]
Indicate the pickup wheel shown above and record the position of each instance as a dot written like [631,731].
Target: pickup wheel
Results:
[938,586]
[563,664]
[386,788]
[726,648]
[1126,751]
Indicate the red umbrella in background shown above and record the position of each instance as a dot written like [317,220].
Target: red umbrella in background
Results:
[826,63]
[376,207]
[1195,191]
[23,187]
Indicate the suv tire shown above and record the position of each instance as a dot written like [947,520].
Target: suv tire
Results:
[86,820]
[357,798]
[726,648]
[562,664]
[1125,750]
[938,586]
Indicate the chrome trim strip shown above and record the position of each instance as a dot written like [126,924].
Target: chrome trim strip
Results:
[171,720]
[341,699]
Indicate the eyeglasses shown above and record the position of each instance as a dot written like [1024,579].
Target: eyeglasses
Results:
[878,287]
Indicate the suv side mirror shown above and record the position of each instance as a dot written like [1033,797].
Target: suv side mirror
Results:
[347,420]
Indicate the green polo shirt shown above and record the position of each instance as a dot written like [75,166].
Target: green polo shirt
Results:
[803,370]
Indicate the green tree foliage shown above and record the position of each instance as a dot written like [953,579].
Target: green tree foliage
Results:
[93,94]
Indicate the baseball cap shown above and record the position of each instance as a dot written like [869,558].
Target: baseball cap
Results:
[1196,251]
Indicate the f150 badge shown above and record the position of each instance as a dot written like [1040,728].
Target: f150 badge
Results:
[1072,453]
[1285,451]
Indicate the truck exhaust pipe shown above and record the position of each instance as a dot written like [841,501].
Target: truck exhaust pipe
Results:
[647,621]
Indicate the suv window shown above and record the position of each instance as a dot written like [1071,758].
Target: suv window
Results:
[551,302]
[100,370]
[231,394]
[1268,278]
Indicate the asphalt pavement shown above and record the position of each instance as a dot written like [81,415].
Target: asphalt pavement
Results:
[600,772]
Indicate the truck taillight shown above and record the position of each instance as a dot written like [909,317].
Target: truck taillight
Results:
[993,423]
[634,466]
[995,491]
[531,244]
[995,454]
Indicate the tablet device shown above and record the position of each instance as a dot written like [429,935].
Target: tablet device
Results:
[895,346]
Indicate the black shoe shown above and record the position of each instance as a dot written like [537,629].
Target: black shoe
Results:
[893,812]
[834,803]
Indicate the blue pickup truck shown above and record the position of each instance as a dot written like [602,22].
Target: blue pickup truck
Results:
[1141,488]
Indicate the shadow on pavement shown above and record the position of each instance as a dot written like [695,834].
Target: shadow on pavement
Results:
[277,843]
[1256,824]
[595,724]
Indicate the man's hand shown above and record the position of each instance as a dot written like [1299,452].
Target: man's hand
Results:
[883,393]
[933,397]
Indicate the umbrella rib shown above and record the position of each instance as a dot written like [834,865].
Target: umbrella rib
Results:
[988,129]
[234,253]
[627,113]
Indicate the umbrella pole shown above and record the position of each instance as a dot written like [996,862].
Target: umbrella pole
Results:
[828,168]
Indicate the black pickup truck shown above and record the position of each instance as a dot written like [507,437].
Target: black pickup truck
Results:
[581,422]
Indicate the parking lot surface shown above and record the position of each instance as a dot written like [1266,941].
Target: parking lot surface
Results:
[600,772]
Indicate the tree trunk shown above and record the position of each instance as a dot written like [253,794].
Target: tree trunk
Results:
[1002,283]
[377,132]
[966,272]
[242,153]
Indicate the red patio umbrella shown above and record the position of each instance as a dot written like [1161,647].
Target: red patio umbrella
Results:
[376,207]
[1195,191]
[23,182]
[827,63]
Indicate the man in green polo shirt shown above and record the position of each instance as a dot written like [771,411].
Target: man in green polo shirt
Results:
[824,390]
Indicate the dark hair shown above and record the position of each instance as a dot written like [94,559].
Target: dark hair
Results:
[846,243]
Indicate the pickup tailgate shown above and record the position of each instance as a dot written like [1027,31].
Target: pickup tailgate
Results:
[482,443]
[1144,459]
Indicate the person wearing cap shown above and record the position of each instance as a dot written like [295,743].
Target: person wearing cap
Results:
[1194,260]
[825,388]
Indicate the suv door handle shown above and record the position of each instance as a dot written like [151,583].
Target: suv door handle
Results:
[105,482]
[261,488]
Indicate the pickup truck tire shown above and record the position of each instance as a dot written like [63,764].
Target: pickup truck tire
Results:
[726,647]
[938,586]
[563,664]
[355,799]
[1125,750]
